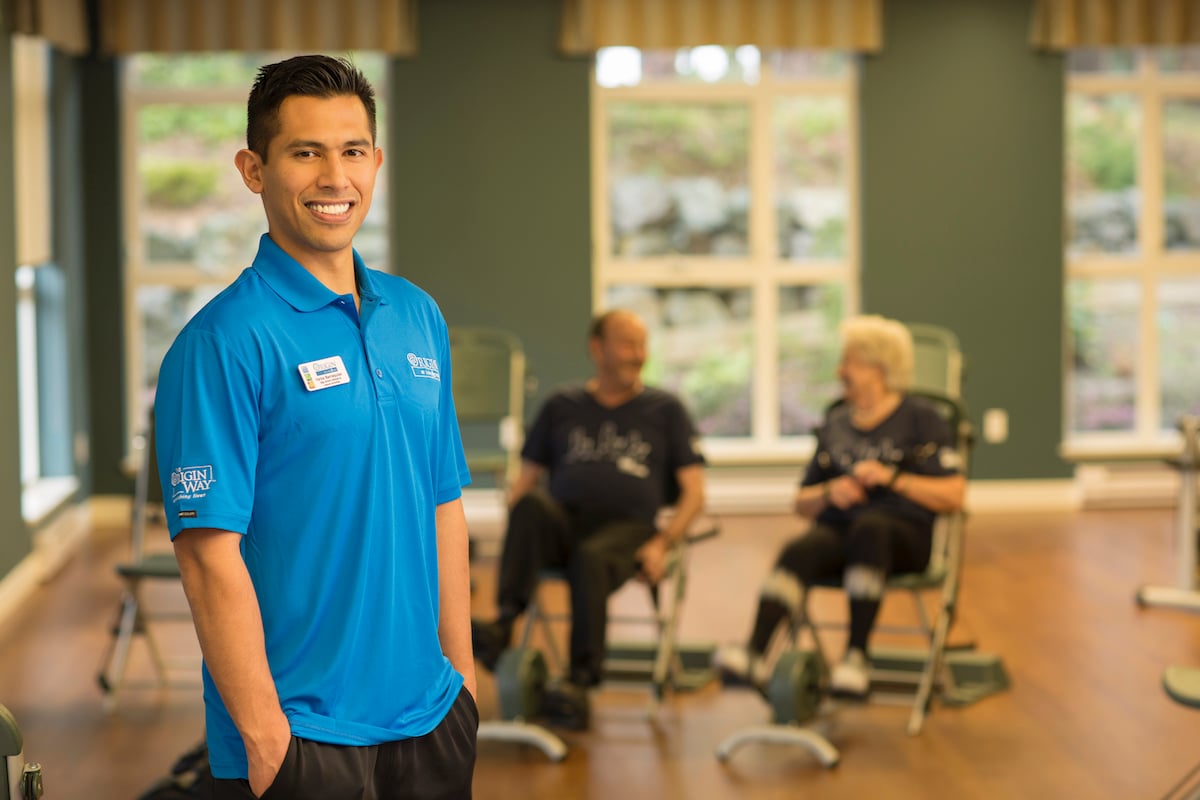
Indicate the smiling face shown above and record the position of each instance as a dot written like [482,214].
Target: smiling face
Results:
[862,380]
[620,352]
[317,180]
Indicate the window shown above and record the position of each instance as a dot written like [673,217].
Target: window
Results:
[1132,244]
[43,323]
[726,215]
[191,224]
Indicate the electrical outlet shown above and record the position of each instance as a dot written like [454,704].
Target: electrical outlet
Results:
[995,425]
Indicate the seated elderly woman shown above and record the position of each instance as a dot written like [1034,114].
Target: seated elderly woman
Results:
[884,466]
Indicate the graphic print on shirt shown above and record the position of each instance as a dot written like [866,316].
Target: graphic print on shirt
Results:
[191,483]
[628,453]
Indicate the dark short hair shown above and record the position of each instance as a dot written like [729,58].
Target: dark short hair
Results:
[304,76]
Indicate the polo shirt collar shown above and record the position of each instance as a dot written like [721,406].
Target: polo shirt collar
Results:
[299,287]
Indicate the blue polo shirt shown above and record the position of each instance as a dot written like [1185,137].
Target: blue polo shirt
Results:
[327,436]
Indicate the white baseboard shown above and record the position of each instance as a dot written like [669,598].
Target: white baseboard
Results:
[770,491]
[998,496]
[53,546]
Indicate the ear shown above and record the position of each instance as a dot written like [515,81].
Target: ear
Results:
[378,158]
[250,165]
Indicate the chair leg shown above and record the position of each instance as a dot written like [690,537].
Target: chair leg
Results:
[934,664]
[120,654]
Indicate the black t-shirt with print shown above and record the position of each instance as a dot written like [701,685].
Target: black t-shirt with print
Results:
[612,463]
[915,438]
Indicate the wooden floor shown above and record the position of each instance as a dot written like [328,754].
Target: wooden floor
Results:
[1052,594]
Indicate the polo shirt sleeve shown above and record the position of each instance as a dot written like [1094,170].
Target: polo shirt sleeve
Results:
[206,431]
[450,462]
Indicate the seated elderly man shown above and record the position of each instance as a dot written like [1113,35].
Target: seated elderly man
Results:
[614,451]
[884,466]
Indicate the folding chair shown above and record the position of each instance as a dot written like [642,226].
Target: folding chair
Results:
[133,616]
[522,672]
[489,395]
[938,374]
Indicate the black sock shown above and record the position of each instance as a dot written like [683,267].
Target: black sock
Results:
[770,614]
[862,620]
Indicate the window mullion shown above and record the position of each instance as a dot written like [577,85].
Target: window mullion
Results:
[1151,241]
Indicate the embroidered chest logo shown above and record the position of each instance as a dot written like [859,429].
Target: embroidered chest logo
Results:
[424,367]
[191,483]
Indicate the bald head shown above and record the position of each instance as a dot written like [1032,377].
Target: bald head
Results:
[617,346]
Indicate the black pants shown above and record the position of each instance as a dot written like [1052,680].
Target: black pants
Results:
[598,556]
[438,765]
[875,539]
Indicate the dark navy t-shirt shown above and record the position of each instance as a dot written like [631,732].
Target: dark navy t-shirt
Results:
[915,438]
[612,463]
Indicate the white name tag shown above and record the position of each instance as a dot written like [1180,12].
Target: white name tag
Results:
[323,373]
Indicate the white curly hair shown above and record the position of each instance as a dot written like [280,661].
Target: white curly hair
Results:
[883,342]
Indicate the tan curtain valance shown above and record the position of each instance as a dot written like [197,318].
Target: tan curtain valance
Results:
[62,23]
[588,25]
[1067,24]
[178,26]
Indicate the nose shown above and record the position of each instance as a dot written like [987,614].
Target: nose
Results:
[333,173]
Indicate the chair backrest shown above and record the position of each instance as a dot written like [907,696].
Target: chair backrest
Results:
[489,395]
[947,534]
[937,359]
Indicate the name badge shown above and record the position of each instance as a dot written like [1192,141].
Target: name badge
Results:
[323,373]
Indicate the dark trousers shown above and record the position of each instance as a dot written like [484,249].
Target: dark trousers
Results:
[876,539]
[436,766]
[598,557]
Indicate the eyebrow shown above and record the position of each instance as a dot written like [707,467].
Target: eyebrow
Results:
[301,144]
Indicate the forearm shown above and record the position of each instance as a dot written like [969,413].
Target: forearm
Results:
[454,590]
[526,479]
[688,506]
[939,494]
[229,627]
[812,500]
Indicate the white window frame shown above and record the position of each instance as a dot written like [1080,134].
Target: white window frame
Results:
[762,270]
[40,493]
[1150,265]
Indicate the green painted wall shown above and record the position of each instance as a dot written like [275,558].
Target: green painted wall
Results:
[104,351]
[962,164]
[488,158]
[489,163]
[15,542]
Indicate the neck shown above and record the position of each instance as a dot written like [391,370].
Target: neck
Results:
[610,395]
[874,407]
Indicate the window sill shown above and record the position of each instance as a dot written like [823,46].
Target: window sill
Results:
[1098,448]
[41,497]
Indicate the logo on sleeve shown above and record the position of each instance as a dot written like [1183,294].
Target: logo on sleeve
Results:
[191,483]
[424,367]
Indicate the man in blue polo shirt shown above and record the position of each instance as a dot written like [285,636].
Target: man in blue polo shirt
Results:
[312,470]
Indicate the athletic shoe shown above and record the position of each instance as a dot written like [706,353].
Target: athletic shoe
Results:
[737,666]
[852,676]
[489,640]
[565,705]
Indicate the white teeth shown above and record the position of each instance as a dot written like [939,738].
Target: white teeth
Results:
[337,208]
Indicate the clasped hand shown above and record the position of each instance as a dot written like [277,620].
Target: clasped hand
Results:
[851,490]
[652,559]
